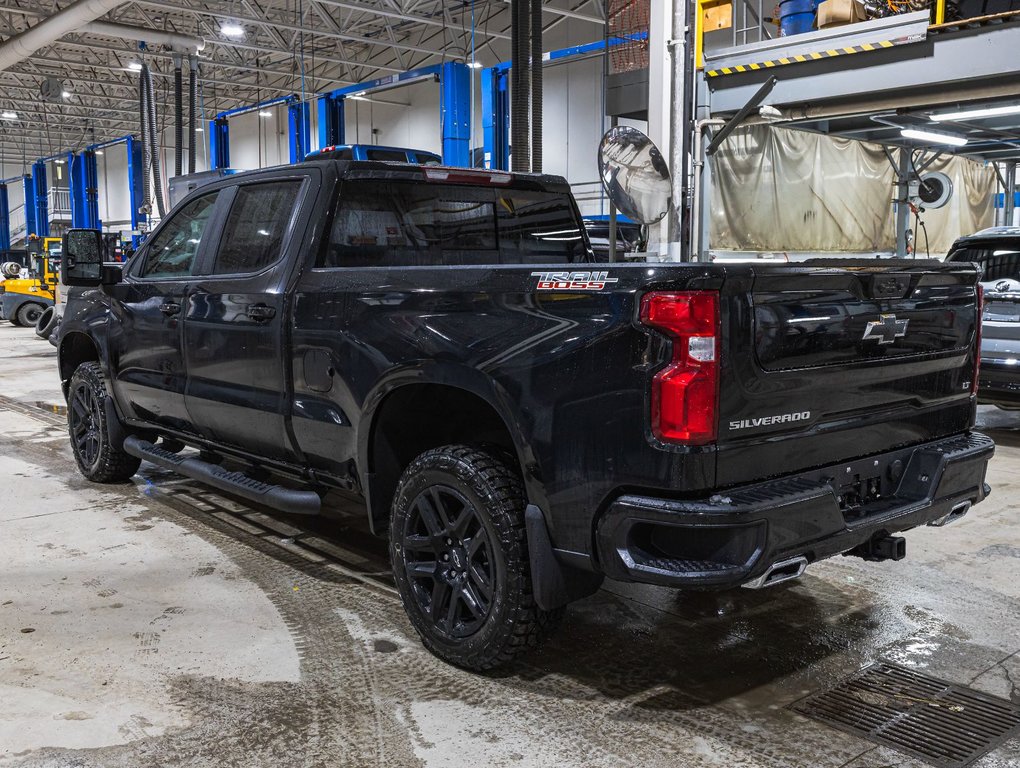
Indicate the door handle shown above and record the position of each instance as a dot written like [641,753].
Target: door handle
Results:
[260,312]
[170,308]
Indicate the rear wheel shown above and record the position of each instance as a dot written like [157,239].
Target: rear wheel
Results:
[89,428]
[28,313]
[459,553]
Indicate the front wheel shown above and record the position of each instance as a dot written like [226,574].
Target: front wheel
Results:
[98,459]
[460,558]
[28,313]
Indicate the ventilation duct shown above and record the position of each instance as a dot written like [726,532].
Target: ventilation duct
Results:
[71,19]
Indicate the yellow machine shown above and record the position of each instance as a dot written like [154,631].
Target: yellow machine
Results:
[25,299]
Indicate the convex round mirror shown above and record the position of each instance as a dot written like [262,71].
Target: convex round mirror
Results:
[635,175]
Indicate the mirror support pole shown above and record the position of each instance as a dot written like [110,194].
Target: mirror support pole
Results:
[659,98]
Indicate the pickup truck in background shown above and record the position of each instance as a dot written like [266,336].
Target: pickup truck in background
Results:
[521,420]
[996,251]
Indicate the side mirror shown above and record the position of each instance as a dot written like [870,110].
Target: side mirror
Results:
[82,262]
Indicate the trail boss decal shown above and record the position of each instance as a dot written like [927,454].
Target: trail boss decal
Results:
[768,421]
[573,281]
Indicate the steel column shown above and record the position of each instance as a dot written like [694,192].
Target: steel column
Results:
[5,219]
[91,169]
[30,210]
[298,130]
[331,120]
[76,171]
[219,143]
[496,118]
[901,206]
[455,111]
[42,214]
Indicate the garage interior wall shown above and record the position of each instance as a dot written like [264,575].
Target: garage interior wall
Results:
[782,190]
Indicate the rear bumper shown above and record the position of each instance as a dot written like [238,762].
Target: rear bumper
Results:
[735,536]
[999,384]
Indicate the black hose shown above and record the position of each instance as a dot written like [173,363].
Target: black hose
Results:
[157,176]
[520,86]
[143,119]
[192,110]
[178,117]
[536,86]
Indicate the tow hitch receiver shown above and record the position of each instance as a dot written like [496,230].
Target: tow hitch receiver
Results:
[881,548]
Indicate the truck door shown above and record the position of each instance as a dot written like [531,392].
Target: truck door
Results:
[146,339]
[235,329]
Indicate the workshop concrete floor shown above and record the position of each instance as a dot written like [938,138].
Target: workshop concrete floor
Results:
[158,623]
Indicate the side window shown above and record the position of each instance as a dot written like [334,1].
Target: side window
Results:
[255,230]
[172,252]
[382,224]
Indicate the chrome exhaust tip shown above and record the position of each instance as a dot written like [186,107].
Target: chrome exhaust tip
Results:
[955,514]
[778,572]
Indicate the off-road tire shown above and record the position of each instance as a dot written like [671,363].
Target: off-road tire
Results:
[28,313]
[512,623]
[98,460]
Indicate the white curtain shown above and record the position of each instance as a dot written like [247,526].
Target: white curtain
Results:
[781,190]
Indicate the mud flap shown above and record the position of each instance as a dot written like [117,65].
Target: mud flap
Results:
[554,584]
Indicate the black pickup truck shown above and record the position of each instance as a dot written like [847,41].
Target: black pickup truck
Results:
[521,421]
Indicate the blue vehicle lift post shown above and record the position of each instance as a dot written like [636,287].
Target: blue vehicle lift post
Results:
[76,171]
[5,218]
[299,130]
[219,129]
[30,210]
[496,97]
[331,120]
[454,105]
[41,195]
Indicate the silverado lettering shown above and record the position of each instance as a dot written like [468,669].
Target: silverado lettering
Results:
[765,421]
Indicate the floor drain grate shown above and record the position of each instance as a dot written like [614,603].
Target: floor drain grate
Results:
[946,725]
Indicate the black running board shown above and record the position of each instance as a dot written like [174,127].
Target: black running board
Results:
[275,496]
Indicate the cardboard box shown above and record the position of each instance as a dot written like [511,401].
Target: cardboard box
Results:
[836,13]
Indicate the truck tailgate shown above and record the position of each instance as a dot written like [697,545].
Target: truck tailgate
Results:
[824,364]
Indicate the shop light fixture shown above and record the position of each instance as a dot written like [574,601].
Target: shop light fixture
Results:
[65,94]
[475,64]
[977,114]
[933,137]
[135,66]
[99,152]
[9,115]
[265,113]
[232,30]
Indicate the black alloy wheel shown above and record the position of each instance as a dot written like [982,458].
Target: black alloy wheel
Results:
[83,420]
[447,558]
[99,459]
[459,552]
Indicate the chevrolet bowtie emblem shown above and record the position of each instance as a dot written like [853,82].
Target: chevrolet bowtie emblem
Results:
[886,329]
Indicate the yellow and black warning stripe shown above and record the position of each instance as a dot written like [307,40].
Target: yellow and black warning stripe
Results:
[801,57]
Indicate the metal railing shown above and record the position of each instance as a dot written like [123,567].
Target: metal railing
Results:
[16,222]
[59,201]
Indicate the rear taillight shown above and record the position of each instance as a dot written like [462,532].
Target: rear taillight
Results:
[685,394]
[977,340]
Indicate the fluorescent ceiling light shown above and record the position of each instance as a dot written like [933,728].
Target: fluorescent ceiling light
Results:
[972,114]
[9,115]
[66,94]
[265,113]
[199,129]
[100,152]
[232,30]
[475,64]
[933,137]
[135,66]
